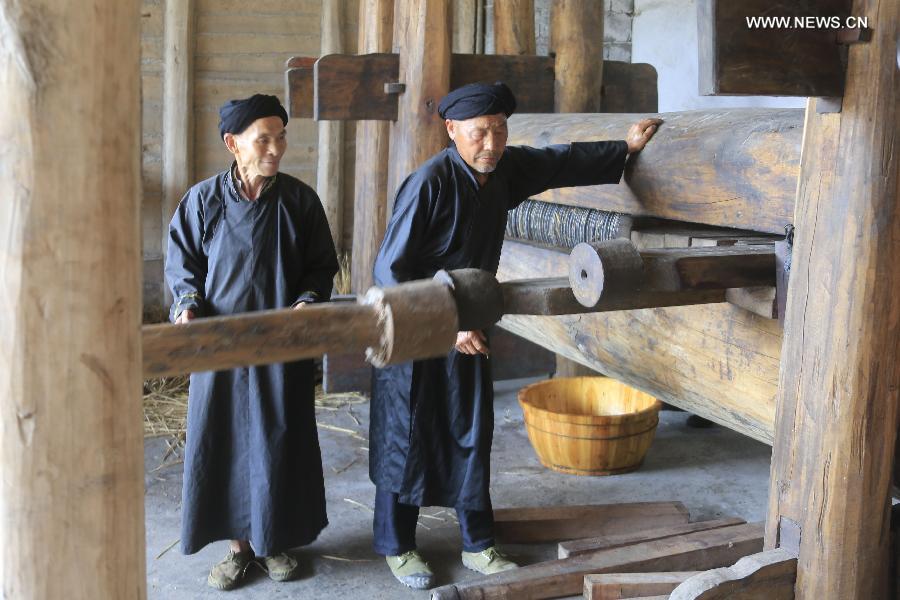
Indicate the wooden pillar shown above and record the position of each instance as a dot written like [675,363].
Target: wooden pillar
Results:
[178,113]
[71,439]
[514,27]
[465,26]
[839,384]
[576,37]
[329,172]
[376,21]
[422,39]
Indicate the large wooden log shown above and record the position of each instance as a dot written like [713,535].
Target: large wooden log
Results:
[370,196]
[71,441]
[732,168]
[329,171]
[576,38]
[514,27]
[840,384]
[422,39]
[718,361]
[178,113]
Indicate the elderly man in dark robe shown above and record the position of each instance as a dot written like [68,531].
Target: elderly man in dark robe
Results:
[251,238]
[432,420]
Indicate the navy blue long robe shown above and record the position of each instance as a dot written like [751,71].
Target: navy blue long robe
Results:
[432,420]
[252,468]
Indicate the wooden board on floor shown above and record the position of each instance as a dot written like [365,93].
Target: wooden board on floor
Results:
[591,544]
[617,586]
[552,579]
[556,523]
[768,575]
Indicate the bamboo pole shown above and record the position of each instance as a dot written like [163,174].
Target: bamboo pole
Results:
[71,440]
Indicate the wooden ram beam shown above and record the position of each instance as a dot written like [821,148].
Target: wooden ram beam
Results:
[718,361]
[730,168]
[770,47]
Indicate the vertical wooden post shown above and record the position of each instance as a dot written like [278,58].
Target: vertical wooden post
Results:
[514,27]
[71,439]
[178,112]
[331,135]
[422,39]
[838,392]
[576,37]
[465,26]
[376,22]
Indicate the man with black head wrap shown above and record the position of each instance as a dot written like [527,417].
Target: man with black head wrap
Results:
[251,238]
[432,420]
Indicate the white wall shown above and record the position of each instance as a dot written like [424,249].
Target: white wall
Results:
[664,34]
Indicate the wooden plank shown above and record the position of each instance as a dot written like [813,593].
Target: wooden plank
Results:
[767,575]
[71,440]
[718,361]
[529,525]
[529,77]
[299,87]
[758,300]
[329,171]
[615,586]
[839,389]
[370,197]
[514,27]
[729,168]
[352,87]
[576,39]
[581,546]
[629,88]
[737,59]
[555,578]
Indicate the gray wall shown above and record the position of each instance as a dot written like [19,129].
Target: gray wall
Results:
[664,34]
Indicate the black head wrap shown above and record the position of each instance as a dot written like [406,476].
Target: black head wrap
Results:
[477,99]
[236,115]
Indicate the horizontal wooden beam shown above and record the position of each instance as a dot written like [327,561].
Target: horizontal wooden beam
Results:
[342,86]
[768,575]
[791,57]
[616,586]
[565,577]
[531,525]
[716,360]
[729,167]
[615,269]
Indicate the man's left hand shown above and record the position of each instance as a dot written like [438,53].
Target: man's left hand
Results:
[640,133]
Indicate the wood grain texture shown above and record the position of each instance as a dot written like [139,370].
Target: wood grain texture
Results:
[736,59]
[718,361]
[329,171]
[615,586]
[465,16]
[556,578]
[839,384]
[422,39]
[576,38]
[580,546]
[538,524]
[370,197]
[730,168]
[514,27]
[71,439]
[178,112]
[767,575]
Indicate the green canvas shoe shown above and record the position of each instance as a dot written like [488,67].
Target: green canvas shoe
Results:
[411,570]
[280,567]
[488,561]
[230,572]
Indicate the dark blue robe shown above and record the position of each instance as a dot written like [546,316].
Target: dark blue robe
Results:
[432,420]
[252,467]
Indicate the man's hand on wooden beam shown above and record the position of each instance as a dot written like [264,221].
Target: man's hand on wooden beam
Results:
[640,133]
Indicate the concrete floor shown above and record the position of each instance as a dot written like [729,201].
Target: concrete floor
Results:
[714,472]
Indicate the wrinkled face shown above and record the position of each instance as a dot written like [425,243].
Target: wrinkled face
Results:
[480,140]
[259,148]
